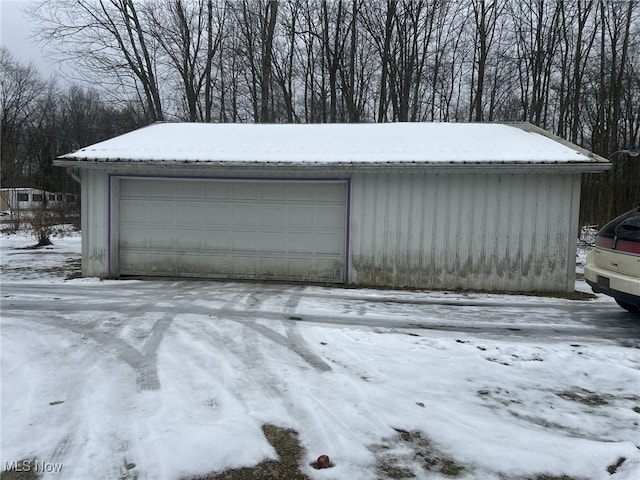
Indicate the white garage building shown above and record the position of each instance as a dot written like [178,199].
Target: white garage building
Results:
[422,205]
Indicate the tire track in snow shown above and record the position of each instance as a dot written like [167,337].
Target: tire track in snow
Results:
[555,321]
[293,341]
[144,364]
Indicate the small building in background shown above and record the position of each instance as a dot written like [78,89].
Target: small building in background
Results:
[490,207]
[22,198]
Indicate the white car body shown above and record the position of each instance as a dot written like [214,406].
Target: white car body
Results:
[613,266]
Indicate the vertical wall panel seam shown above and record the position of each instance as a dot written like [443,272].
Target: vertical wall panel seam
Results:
[537,230]
[520,233]
[408,266]
[572,229]
[347,233]
[421,230]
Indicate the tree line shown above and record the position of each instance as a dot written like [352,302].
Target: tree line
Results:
[39,120]
[566,66]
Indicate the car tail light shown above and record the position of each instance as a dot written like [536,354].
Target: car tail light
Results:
[604,242]
[618,245]
[627,246]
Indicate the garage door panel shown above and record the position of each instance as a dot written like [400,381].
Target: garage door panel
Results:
[271,241]
[271,267]
[133,232]
[245,214]
[245,191]
[298,193]
[271,230]
[216,214]
[244,241]
[189,260]
[244,263]
[190,191]
[190,239]
[189,213]
[160,211]
[220,191]
[300,243]
[160,189]
[327,268]
[271,217]
[154,264]
[131,212]
[132,239]
[300,217]
[217,240]
[325,217]
[161,238]
[269,194]
[329,195]
[327,241]
[130,190]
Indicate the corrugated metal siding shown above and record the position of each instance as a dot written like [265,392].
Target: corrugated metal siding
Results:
[95,221]
[511,232]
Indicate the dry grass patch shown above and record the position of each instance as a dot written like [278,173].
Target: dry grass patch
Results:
[287,467]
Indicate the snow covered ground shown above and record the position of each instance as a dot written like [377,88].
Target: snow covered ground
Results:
[168,380]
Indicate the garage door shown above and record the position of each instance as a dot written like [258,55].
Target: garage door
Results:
[281,230]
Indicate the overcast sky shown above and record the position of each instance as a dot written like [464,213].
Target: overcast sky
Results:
[15,33]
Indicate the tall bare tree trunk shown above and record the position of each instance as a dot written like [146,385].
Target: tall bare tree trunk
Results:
[267,46]
[208,100]
[385,60]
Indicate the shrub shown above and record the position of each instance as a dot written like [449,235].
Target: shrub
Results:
[41,223]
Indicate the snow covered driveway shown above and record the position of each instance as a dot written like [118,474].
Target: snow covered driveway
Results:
[164,379]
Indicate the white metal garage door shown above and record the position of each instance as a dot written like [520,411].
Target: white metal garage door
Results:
[282,230]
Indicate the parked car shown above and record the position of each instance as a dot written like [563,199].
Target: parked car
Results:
[613,266]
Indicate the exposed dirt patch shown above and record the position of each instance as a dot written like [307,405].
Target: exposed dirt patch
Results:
[613,468]
[392,471]
[585,397]
[499,395]
[410,455]
[553,477]
[288,448]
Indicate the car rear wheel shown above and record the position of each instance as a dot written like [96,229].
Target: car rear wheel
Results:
[628,307]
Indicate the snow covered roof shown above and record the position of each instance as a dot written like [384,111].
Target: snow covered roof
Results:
[335,144]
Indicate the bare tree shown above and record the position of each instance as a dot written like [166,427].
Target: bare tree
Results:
[268,30]
[379,21]
[20,91]
[537,37]
[284,57]
[615,37]
[444,69]
[109,39]
[257,22]
[414,39]
[335,34]
[186,33]
[578,27]
[485,20]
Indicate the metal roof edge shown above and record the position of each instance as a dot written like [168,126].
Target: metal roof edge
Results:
[453,167]
[531,128]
